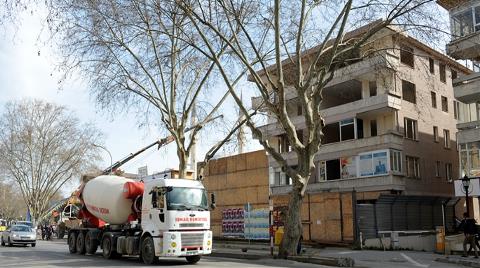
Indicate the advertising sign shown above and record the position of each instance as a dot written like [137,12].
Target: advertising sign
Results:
[349,167]
[373,163]
[473,188]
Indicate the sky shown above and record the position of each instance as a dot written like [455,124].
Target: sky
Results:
[27,71]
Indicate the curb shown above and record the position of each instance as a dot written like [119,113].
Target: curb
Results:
[329,261]
[464,262]
[242,256]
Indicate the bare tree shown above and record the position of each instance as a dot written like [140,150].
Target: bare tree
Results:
[13,206]
[137,53]
[308,42]
[44,146]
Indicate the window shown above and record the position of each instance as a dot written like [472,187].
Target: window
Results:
[449,171]
[406,56]
[410,128]
[413,167]
[284,144]
[373,128]
[408,91]
[456,108]
[435,133]
[454,74]
[434,99]
[470,158]
[443,72]
[444,104]
[462,23]
[432,65]
[333,169]
[396,161]
[437,169]
[446,138]
[347,130]
[299,109]
[321,171]
[277,178]
[373,88]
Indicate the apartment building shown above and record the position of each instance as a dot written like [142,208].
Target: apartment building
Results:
[465,45]
[389,137]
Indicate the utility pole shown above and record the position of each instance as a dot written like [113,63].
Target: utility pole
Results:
[193,150]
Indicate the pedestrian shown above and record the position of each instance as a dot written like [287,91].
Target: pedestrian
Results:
[469,230]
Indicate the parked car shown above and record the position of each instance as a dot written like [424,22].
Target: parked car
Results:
[19,234]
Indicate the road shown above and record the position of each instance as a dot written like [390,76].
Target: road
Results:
[55,254]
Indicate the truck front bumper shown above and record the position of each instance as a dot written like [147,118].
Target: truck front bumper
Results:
[178,244]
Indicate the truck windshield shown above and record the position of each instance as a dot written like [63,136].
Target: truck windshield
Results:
[181,198]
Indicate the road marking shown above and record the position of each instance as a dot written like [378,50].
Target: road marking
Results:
[412,261]
[346,252]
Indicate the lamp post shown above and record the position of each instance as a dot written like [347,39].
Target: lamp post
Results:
[105,149]
[466,184]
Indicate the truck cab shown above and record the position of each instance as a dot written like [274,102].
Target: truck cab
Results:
[175,213]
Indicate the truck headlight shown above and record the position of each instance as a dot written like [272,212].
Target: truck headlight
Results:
[173,236]
[209,242]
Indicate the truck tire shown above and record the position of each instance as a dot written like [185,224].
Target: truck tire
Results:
[109,251]
[81,243]
[193,259]
[72,242]
[91,243]
[148,251]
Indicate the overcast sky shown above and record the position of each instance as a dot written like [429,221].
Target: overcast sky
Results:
[26,73]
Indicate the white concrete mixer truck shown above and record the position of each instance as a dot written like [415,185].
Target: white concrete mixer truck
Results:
[151,219]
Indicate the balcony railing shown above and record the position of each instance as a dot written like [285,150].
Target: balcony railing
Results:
[341,112]
[465,48]
[467,88]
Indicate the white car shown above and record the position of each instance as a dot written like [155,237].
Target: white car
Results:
[19,234]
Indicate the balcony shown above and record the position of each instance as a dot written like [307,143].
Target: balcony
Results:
[470,132]
[377,104]
[392,140]
[467,88]
[380,183]
[465,48]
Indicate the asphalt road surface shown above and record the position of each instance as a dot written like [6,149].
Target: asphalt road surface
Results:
[55,254]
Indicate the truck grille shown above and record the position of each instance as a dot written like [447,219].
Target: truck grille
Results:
[192,239]
[191,225]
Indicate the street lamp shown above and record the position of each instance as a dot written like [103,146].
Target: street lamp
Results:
[466,184]
[109,154]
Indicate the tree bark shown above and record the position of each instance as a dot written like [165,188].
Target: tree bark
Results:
[293,223]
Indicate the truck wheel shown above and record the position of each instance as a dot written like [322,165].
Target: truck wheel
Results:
[148,251]
[72,242]
[91,244]
[81,243]
[192,259]
[109,251]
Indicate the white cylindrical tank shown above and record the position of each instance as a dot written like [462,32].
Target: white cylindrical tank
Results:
[103,197]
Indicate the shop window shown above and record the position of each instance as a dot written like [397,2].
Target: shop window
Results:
[408,91]
[410,129]
[413,167]
[406,56]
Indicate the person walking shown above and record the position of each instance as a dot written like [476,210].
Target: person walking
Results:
[469,230]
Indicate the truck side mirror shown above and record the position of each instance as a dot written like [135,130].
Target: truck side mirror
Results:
[212,202]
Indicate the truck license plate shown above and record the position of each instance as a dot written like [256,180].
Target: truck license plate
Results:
[192,252]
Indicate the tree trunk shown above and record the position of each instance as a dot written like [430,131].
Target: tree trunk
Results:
[293,224]
[182,164]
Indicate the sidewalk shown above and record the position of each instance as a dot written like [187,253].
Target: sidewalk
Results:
[459,260]
[261,250]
